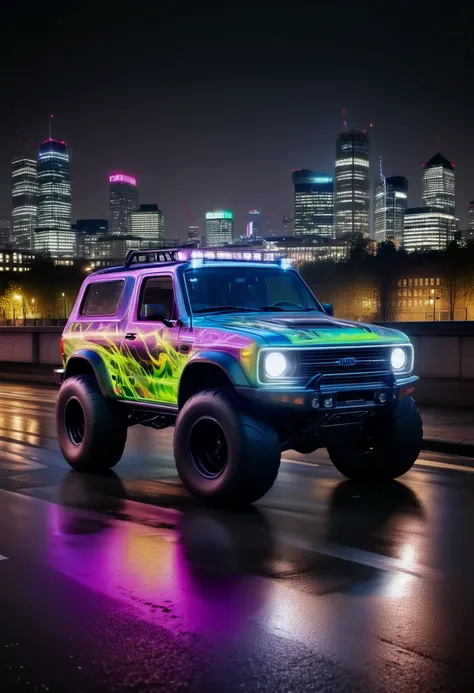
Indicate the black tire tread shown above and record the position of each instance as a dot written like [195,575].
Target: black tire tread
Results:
[108,442]
[259,464]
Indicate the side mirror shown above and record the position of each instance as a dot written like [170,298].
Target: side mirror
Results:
[328,308]
[154,312]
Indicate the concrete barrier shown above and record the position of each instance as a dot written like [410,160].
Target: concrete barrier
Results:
[444,358]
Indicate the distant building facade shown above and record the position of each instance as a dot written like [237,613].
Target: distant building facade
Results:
[24,217]
[219,228]
[438,184]
[391,202]
[123,200]
[470,215]
[352,184]
[87,232]
[194,235]
[314,203]
[254,228]
[149,225]
[428,228]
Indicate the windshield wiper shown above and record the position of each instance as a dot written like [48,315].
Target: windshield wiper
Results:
[226,309]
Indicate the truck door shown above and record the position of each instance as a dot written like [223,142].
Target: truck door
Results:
[151,343]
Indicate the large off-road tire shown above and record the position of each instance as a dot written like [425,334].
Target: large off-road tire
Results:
[91,431]
[223,455]
[390,450]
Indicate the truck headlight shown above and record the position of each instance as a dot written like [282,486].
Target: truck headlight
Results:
[275,364]
[398,358]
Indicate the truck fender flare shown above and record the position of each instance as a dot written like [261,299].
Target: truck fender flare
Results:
[226,362]
[97,365]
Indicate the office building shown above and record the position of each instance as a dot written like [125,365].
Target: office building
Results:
[253,230]
[352,184]
[87,232]
[391,202]
[194,235]
[314,203]
[470,215]
[54,187]
[219,228]
[24,202]
[112,247]
[4,232]
[172,242]
[123,200]
[148,224]
[428,228]
[437,185]
[288,222]
[56,242]
[15,261]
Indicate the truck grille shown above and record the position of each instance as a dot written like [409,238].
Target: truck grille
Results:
[335,361]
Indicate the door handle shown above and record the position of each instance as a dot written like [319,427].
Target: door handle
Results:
[131,336]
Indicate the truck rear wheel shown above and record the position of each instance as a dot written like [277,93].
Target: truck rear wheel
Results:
[223,455]
[389,452]
[91,431]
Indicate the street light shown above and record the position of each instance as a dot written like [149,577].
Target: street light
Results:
[65,303]
[16,297]
[434,299]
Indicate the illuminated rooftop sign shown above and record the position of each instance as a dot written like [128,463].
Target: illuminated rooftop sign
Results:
[222,214]
[322,179]
[122,178]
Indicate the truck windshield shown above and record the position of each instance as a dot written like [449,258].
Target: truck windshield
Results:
[241,289]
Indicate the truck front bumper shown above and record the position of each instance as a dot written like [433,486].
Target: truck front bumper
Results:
[333,398]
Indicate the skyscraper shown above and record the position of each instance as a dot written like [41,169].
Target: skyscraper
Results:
[24,202]
[149,225]
[54,186]
[54,234]
[314,203]
[219,228]
[123,201]
[391,201]
[428,228]
[352,189]
[437,185]
[254,229]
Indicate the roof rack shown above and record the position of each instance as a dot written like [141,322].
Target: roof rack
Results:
[150,256]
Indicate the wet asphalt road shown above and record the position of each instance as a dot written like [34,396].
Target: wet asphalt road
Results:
[122,583]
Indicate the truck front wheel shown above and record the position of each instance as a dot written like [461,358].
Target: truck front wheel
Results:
[390,449]
[223,455]
[91,431]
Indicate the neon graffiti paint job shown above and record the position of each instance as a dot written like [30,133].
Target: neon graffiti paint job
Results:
[155,374]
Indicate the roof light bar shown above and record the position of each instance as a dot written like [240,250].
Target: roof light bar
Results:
[232,255]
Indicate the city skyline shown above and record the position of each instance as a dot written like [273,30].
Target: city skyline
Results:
[179,145]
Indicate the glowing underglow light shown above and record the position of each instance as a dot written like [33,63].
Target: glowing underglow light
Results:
[122,178]
[190,255]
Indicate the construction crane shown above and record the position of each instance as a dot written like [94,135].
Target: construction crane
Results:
[368,128]
[189,216]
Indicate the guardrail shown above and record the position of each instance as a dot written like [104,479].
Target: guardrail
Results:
[444,358]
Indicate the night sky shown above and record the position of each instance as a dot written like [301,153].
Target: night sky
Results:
[216,103]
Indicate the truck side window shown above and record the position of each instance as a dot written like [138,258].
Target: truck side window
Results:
[157,291]
[102,298]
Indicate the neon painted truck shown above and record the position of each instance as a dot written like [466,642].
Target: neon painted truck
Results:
[235,352]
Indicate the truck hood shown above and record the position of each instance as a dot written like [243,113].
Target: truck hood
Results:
[305,329]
